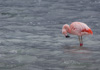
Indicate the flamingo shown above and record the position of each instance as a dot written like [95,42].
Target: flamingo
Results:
[77,28]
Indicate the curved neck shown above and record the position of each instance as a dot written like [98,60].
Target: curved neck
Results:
[67,27]
[69,30]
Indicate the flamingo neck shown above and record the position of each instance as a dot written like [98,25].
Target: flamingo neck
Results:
[69,29]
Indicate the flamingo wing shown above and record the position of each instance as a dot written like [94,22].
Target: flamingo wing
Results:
[80,28]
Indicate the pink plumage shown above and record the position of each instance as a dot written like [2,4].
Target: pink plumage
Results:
[80,28]
[77,28]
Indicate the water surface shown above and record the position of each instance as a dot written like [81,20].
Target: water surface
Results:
[31,38]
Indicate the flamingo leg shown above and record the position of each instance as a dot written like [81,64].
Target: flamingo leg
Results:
[80,40]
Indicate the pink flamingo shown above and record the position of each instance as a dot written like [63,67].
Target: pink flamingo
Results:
[77,28]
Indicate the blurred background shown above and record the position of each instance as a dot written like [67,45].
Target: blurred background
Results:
[31,37]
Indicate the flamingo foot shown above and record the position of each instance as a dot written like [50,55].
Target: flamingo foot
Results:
[81,44]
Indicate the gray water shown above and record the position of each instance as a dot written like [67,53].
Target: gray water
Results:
[31,37]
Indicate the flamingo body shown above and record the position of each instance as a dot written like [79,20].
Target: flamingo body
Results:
[77,28]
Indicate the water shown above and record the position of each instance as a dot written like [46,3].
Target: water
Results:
[31,39]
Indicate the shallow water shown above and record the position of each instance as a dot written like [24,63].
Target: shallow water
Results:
[31,39]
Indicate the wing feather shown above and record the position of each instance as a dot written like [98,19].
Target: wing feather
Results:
[80,27]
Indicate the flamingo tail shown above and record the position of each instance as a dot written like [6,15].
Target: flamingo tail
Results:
[89,31]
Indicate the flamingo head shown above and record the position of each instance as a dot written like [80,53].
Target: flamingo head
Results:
[65,30]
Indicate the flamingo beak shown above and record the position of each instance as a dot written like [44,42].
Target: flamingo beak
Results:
[67,36]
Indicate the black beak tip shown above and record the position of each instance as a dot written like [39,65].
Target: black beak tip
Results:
[67,36]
